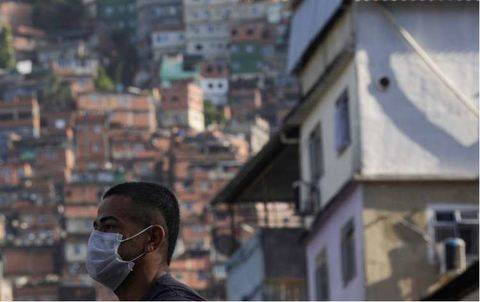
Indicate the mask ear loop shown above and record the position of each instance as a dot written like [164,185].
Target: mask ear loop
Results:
[133,260]
[138,234]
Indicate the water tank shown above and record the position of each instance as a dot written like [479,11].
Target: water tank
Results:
[454,258]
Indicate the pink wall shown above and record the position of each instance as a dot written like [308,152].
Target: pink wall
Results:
[328,235]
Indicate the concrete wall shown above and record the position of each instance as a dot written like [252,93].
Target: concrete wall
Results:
[416,126]
[337,39]
[328,236]
[241,282]
[397,266]
[215,90]
[309,19]
[338,167]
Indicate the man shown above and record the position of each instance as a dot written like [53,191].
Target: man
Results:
[133,242]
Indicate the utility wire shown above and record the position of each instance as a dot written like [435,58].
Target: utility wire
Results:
[428,60]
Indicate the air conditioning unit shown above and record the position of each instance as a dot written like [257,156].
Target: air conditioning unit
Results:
[452,255]
[308,205]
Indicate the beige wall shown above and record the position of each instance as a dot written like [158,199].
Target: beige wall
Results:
[397,262]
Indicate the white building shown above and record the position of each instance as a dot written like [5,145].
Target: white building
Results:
[214,81]
[167,42]
[207,27]
[383,146]
[388,128]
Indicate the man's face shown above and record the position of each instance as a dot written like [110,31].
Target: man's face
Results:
[115,215]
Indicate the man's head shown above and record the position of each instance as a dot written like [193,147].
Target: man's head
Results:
[130,207]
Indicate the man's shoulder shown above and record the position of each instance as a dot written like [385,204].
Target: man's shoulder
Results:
[169,289]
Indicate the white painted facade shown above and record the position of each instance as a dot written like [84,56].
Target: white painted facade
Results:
[75,251]
[190,118]
[164,42]
[207,26]
[328,237]
[338,168]
[417,127]
[215,90]
[413,128]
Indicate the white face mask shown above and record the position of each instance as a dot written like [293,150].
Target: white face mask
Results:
[104,264]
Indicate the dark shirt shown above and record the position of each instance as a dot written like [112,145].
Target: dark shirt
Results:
[167,288]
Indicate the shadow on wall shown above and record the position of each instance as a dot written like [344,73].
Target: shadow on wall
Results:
[405,114]
[410,274]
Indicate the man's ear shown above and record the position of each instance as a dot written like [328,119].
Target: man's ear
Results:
[157,237]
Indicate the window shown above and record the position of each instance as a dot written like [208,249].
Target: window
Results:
[77,248]
[250,31]
[348,251]
[342,123]
[199,46]
[315,154]
[321,276]
[6,116]
[24,115]
[456,221]
[108,10]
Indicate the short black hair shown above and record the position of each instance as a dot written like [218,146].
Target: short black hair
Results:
[153,196]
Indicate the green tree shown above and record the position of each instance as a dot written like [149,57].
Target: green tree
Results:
[7,54]
[56,95]
[212,114]
[58,15]
[122,56]
[103,81]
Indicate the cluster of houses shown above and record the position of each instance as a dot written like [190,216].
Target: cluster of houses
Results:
[210,87]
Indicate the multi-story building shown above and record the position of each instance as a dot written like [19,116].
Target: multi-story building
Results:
[79,208]
[167,42]
[207,29]
[68,58]
[15,13]
[91,139]
[117,15]
[177,68]
[160,27]
[250,42]
[381,150]
[199,165]
[214,81]
[20,116]
[125,111]
[13,173]
[31,247]
[256,132]
[182,105]
[5,286]
[245,99]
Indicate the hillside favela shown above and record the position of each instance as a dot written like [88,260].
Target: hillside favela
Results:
[318,149]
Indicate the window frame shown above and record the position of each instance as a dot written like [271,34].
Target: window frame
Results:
[321,263]
[348,265]
[432,209]
[343,135]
